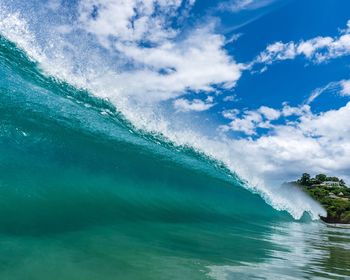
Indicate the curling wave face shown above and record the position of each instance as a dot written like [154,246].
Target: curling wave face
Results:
[51,131]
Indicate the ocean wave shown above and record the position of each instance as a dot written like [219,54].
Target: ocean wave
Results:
[84,87]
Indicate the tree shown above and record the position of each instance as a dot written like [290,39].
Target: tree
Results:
[333,179]
[321,177]
[305,179]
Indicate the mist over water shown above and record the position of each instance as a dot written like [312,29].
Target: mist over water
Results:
[90,188]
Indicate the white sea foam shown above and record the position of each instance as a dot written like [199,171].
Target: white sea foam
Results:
[105,82]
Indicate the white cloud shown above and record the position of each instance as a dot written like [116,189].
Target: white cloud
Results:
[317,92]
[155,64]
[318,49]
[132,20]
[263,117]
[341,88]
[251,120]
[230,114]
[247,124]
[348,27]
[233,38]
[345,84]
[331,124]
[53,4]
[184,105]
[288,111]
[229,98]
[269,113]
[195,63]
[236,6]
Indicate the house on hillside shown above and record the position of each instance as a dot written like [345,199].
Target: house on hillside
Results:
[329,184]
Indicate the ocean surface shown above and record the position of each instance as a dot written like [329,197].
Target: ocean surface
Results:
[86,195]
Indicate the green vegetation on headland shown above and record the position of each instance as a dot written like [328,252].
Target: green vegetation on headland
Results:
[331,192]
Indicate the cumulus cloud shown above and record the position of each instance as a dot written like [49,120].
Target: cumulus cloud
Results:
[247,124]
[184,105]
[269,113]
[132,20]
[230,114]
[288,111]
[158,64]
[195,63]
[250,120]
[318,49]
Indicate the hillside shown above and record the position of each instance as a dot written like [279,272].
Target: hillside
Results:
[331,192]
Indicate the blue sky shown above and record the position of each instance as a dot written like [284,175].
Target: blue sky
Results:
[289,81]
[293,80]
[262,85]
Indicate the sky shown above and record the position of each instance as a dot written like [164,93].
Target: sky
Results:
[265,82]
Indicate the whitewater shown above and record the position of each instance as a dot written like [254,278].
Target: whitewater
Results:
[95,184]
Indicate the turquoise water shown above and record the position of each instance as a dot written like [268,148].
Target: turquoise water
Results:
[83,195]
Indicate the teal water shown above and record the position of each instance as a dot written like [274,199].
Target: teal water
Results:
[83,195]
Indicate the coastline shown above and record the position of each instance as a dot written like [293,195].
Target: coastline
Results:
[331,192]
